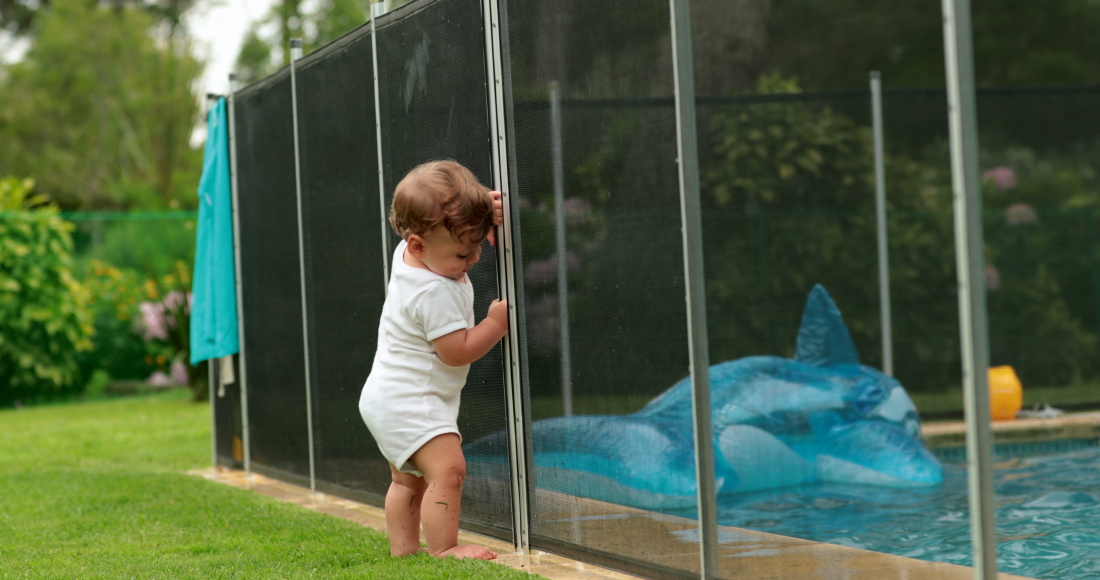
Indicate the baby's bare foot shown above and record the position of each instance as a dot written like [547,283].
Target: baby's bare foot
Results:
[469,551]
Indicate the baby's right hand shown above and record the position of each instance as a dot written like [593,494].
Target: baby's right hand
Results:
[498,312]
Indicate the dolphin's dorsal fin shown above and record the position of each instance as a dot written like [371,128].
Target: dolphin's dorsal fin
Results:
[823,338]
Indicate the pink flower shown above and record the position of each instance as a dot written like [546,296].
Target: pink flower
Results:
[544,324]
[992,278]
[151,323]
[542,272]
[576,210]
[1020,213]
[159,379]
[157,318]
[179,372]
[175,302]
[1002,177]
[176,299]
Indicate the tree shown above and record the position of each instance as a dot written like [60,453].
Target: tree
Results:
[328,20]
[101,109]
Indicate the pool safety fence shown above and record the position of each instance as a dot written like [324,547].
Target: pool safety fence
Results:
[654,226]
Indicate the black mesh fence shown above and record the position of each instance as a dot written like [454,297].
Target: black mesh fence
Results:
[434,97]
[345,275]
[787,176]
[271,291]
[604,323]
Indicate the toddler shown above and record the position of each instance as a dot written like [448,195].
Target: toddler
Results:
[426,341]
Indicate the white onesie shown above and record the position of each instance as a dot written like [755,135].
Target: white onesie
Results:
[411,396]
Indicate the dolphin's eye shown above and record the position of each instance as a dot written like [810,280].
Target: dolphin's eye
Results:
[865,395]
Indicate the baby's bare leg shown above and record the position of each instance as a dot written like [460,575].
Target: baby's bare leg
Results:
[403,512]
[444,469]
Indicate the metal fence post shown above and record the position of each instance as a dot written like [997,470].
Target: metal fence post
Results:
[559,231]
[1094,261]
[377,9]
[974,330]
[246,442]
[695,291]
[517,419]
[295,54]
[880,219]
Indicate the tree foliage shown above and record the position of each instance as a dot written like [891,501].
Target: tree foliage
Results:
[833,45]
[101,110]
[826,45]
[263,54]
[17,17]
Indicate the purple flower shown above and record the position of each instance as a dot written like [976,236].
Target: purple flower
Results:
[1020,213]
[1002,177]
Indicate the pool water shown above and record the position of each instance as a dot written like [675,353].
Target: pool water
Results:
[1048,516]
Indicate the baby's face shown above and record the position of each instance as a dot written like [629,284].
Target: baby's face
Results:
[448,257]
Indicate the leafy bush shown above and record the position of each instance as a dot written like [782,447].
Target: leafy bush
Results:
[146,243]
[787,189]
[165,324]
[1042,247]
[44,308]
[788,196]
[118,350]
[142,326]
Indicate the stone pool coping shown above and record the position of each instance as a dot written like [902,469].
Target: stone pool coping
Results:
[662,540]
[1030,430]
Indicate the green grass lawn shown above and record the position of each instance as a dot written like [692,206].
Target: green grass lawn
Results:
[100,490]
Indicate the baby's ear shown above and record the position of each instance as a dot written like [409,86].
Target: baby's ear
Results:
[416,246]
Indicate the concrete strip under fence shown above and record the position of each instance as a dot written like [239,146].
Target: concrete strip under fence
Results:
[651,537]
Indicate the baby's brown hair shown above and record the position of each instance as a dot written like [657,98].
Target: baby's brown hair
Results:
[442,193]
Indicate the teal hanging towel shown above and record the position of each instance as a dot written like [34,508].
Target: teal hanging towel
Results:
[214,286]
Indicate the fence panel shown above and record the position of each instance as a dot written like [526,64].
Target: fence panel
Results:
[345,277]
[604,321]
[433,96]
[271,295]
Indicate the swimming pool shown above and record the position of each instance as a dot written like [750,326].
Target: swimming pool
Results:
[1048,515]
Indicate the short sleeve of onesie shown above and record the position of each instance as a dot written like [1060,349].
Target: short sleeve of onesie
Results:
[439,310]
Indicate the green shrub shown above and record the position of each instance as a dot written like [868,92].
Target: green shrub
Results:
[44,308]
[788,202]
[165,324]
[1042,254]
[118,349]
[788,194]
[146,243]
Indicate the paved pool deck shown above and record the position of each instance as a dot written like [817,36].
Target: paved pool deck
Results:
[668,541]
[1064,427]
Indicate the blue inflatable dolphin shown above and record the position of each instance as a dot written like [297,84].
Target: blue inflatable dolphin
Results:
[776,422]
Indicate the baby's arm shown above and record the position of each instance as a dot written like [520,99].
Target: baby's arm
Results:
[463,347]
